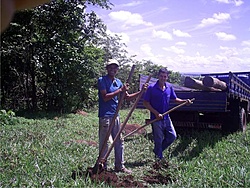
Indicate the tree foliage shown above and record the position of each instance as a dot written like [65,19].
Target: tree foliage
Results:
[49,60]
[52,56]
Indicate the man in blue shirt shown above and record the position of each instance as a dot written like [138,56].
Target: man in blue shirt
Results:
[156,100]
[109,88]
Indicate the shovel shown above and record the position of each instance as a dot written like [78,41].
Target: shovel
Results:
[99,165]
[154,120]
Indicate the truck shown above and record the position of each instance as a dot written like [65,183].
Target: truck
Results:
[223,105]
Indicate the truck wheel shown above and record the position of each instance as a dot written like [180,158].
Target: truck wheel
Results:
[243,120]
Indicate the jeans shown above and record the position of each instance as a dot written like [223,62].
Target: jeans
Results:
[104,123]
[164,135]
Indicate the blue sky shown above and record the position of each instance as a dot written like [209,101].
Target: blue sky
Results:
[187,36]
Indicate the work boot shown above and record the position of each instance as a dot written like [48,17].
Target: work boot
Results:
[123,170]
[163,162]
[159,163]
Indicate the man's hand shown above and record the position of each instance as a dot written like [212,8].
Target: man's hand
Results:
[125,87]
[189,102]
[145,86]
[159,116]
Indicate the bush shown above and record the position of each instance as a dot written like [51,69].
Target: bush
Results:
[7,117]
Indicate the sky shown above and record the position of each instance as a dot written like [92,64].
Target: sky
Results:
[186,36]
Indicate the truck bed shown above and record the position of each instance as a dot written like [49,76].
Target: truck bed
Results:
[224,108]
[204,101]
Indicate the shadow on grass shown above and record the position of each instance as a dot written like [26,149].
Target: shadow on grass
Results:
[41,115]
[136,163]
[191,142]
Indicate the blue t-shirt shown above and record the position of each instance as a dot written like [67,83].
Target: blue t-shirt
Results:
[159,99]
[108,108]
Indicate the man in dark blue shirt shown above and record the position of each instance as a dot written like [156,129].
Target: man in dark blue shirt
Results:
[156,100]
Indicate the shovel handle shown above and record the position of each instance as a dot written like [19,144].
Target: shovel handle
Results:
[154,120]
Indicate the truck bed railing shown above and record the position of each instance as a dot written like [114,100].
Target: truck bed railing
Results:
[238,88]
[211,101]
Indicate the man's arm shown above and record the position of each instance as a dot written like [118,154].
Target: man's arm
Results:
[130,97]
[108,96]
[180,101]
[151,109]
[133,96]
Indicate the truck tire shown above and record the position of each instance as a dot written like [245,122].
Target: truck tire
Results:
[243,120]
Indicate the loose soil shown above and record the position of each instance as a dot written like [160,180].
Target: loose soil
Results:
[153,176]
[131,127]
[80,112]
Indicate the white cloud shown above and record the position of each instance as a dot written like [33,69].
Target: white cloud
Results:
[192,64]
[174,49]
[162,35]
[123,36]
[225,36]
[128,18]
[179,33]
[216,19]
[245,43]
[246,51]
[146,49]
[221,26]
[235,2]
[238,2]
[223,1]
[228,52]
[220,58]
[181,43]
[132,4]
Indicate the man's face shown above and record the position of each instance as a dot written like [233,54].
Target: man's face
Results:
[112,70]
[163,77]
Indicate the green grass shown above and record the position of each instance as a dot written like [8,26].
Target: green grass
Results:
[43,152]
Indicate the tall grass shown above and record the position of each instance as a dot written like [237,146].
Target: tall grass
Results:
[43,152]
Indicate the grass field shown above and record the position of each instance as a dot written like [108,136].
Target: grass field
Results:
[43,150]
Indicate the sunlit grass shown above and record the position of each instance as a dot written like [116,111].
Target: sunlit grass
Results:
[43,152]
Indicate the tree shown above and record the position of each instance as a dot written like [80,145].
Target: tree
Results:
[17,68]
[50,58]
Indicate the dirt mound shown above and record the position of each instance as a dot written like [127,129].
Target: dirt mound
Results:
[158,175]
[109,177]
[155,177]
[131,127]
[80,112]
